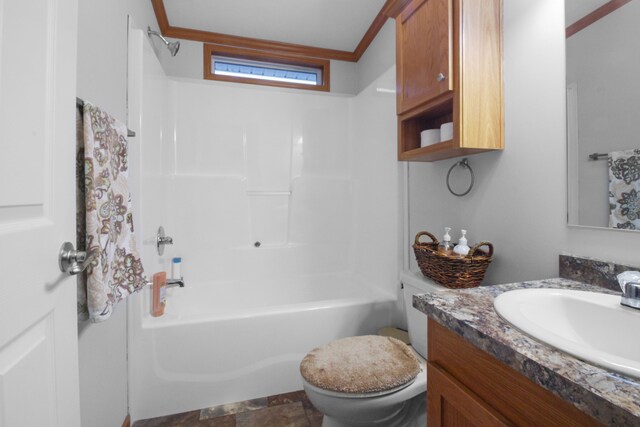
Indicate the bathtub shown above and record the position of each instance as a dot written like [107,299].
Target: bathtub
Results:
[223,342]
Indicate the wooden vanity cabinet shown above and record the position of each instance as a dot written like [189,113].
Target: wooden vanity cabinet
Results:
[449,68]
[468,387]
[451,403]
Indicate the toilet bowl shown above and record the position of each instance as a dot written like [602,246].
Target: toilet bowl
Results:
[403,405]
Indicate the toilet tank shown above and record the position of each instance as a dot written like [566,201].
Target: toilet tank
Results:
[416,283]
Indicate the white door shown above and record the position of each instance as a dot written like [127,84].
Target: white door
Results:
[38,327]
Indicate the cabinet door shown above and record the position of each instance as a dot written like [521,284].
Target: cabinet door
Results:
[424,52]
[451,404]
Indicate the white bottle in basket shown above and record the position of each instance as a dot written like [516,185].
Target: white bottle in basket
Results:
[445,246]
[462,248]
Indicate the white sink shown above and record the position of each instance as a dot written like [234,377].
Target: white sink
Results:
[591,326]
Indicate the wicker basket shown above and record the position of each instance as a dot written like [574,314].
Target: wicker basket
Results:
[456,272]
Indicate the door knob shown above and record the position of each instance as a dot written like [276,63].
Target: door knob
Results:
[72,261]
[441,77]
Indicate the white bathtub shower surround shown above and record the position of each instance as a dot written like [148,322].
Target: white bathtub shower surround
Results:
[376,177]
[148,104]
[312,178]
[215,221]
[259,165]
[228,341]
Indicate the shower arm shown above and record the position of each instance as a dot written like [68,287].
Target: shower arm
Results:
[151,32]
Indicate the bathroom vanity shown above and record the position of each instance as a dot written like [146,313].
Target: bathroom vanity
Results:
[483,371]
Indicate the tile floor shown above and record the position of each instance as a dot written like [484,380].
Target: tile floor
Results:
[282,410]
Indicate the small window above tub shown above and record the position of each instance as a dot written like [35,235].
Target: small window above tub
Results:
[240,65]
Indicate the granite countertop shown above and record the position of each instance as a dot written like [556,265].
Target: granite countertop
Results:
[611,398]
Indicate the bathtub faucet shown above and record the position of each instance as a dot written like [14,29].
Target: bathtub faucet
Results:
[172,283]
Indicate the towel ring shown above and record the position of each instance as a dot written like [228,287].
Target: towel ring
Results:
[464,163]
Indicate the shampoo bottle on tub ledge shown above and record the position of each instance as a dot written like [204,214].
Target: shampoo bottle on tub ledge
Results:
[176,272]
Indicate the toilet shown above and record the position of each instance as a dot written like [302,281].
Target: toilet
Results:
[383,385]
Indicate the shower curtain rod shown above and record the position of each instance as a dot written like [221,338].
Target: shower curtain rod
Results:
[80,103]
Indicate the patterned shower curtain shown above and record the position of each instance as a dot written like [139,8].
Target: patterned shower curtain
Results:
[104,218]
[624,189]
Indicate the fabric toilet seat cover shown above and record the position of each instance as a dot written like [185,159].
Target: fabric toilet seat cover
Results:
[363,364]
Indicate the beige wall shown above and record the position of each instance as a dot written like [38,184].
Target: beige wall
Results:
[102,79]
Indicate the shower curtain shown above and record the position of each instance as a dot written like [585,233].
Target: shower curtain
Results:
[624,189]
[104,218]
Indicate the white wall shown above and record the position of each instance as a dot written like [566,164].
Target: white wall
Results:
[518,202]
[379,56]
[102,50]
[188,63]
[102,79]
[519,199]
[601,61]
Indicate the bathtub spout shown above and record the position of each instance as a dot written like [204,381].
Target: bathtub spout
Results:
[172,283]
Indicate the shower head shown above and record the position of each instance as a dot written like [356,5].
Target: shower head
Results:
[172,46]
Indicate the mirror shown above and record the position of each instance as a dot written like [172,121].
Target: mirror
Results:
[603,113]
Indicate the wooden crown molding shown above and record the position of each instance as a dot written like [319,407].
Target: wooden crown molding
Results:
[594,16]
[161,15]
[257,44]
[393,8]
[390,9]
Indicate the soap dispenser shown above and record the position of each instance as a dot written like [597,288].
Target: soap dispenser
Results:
[462,248]
[445,246]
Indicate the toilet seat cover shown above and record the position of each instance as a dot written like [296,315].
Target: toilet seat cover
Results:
[363,364]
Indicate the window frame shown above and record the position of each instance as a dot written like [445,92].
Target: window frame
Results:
[261,56]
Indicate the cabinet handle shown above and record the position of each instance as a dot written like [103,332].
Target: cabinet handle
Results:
[441,77]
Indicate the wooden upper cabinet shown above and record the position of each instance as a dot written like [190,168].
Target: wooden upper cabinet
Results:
[462,40]
[424,52]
